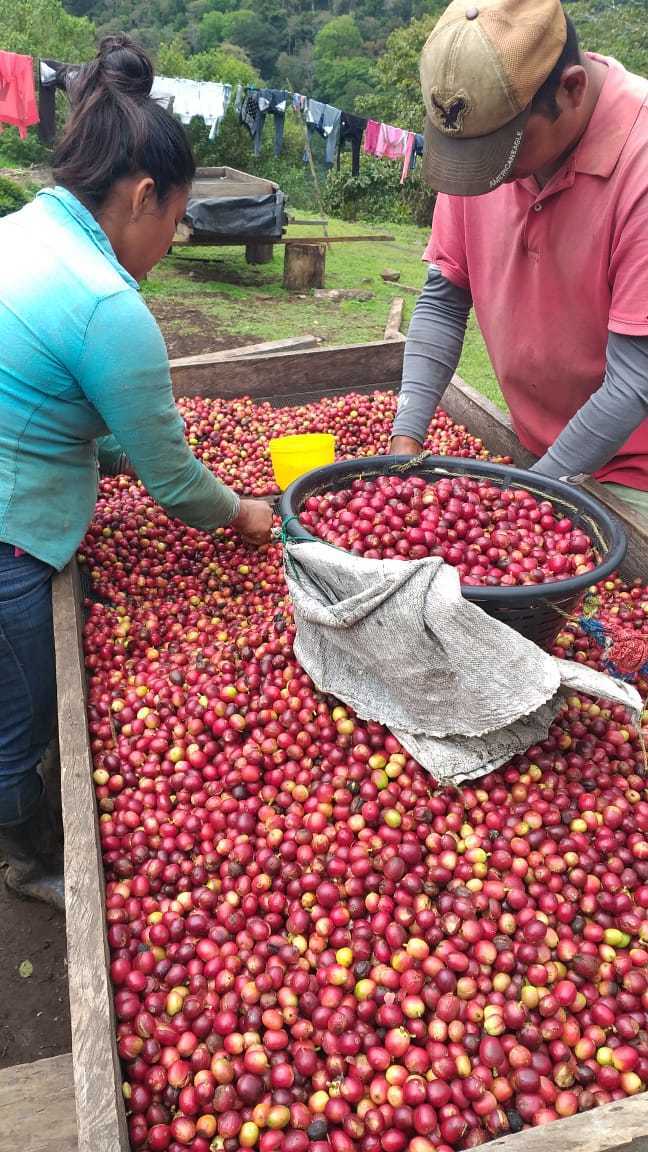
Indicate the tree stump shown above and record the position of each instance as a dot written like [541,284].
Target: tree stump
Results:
[304,266]
[258,252]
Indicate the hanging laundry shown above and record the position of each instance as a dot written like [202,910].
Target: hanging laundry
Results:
[190,98]
[351,132]
[17,92]
[274,101]
[214,101]
[389,143]
[251,117]
[325,120]
[299,102]
[53,77]
[417,150]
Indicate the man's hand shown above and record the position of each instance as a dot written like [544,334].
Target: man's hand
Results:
[404,446]
[254,522]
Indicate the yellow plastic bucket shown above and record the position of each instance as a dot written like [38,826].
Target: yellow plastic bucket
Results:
[292,456]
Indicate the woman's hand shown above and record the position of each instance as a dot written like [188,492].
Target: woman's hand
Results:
[404,446]
[254,522]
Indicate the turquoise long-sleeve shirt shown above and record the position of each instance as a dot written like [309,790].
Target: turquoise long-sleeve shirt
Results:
[82,357]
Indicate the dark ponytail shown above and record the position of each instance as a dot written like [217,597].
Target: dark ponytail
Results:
[117,130]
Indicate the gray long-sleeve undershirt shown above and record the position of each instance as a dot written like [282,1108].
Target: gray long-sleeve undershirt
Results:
[593,435]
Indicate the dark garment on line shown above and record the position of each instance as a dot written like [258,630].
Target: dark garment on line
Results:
[325,120]
[274,101]
[351,131]
[250,116]
[53,76]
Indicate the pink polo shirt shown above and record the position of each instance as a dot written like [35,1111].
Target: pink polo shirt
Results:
[552,270]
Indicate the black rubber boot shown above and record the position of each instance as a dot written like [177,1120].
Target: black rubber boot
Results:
[33,857]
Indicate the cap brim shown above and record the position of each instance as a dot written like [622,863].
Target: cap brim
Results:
[472,167]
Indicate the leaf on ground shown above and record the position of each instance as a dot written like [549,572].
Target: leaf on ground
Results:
[25,969]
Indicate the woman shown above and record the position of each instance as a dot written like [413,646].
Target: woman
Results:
[82,357]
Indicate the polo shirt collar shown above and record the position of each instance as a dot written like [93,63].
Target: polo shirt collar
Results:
[620,101]
[84,218]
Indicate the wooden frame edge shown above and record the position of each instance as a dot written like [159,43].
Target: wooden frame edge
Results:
[101,1116]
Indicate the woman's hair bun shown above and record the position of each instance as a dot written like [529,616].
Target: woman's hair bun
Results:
[124,65]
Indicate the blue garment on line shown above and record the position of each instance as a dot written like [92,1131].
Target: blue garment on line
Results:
[325,120]
[275,102]
[253,109]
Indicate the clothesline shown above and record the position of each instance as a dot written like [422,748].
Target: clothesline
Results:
[210,100]
[336,128]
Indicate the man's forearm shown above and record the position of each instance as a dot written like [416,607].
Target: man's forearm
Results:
[601,427]
[432,352]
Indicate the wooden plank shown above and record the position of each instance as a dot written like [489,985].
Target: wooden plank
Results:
[101,1117]
[270,348]
[224,172]
[217,240]
[229,189]
[621,1126]
[395,319]
[291,376]
[37,1107]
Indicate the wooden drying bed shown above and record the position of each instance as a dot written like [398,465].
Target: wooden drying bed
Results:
[286,379]
[37,1111]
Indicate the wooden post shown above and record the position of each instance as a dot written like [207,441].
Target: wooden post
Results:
[259,252]
[395,319]
[304,266]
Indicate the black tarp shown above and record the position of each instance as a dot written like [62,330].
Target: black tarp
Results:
[239,216]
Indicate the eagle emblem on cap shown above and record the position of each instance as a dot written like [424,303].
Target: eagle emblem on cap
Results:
[449,113]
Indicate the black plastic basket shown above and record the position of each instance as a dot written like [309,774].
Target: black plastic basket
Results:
[537,611]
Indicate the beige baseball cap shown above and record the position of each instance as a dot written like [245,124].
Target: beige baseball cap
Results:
[480,69]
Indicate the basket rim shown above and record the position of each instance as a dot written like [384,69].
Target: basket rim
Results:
[608,528]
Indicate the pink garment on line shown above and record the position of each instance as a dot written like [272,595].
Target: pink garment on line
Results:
[17,93]
[389,143]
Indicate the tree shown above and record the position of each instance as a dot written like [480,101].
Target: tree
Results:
[339,38]
[341,72]
[226,64]
[615,28]
[255,36]
[396,97]
[210,31]
[44,28]
[295,72]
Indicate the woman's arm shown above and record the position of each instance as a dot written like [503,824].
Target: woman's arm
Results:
[113,461]
[124,372]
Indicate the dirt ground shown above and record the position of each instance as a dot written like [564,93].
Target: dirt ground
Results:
[34,1010]
[188,331]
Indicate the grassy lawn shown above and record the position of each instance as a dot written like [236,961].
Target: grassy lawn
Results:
[200,292]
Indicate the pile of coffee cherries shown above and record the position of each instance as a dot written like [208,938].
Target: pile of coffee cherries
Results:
[314,947]
[231,436]
[492,536]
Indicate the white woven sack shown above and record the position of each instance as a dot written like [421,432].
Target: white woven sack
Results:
[399,644]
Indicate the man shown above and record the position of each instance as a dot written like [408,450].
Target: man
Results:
[540,153]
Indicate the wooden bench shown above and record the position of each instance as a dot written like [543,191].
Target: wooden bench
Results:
[37,1112]
[304,256]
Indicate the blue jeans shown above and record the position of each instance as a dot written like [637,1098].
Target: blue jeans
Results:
[27,680]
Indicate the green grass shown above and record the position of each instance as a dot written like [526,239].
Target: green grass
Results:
[249,301]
